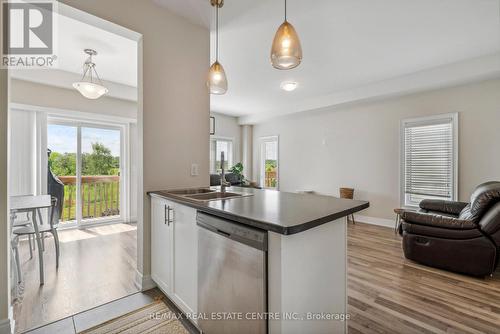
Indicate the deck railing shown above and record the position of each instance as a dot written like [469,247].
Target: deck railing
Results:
[270,180]
[100,196]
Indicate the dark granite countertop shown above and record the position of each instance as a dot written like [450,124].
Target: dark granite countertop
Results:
[280,212]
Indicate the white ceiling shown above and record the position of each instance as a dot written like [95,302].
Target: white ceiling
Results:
[116,62]
[350,46]
[196,11]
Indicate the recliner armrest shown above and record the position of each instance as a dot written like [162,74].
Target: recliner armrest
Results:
[430,219]
[450,207]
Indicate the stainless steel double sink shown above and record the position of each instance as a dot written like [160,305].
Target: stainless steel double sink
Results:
[206,194]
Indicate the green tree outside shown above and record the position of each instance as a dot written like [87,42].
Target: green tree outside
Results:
[99,162]
[63,164]
[95,200]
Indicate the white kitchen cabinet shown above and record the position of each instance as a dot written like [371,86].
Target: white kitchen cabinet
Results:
[185,272]
[161,244]
[174,246]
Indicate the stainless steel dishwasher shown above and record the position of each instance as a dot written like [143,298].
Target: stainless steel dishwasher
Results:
[232,277]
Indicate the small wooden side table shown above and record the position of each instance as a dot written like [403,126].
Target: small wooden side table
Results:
[398,213]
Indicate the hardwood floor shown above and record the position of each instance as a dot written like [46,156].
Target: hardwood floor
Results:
[389,294]
[97,265]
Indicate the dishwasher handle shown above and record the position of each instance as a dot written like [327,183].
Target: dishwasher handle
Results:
[224,233]
[244,234]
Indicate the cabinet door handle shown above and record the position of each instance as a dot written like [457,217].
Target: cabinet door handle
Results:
[170,218]
[167,213]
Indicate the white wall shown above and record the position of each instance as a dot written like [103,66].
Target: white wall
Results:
[228,127]
[4,228]
[173,100]
[247,150]
[36,94]
[134,176]
[358,146]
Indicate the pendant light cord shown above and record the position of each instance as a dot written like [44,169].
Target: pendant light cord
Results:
[90,70]
[285,10]
[91,67]
[217,32]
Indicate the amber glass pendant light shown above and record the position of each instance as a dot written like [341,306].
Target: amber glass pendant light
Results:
[217,81]
[286,52]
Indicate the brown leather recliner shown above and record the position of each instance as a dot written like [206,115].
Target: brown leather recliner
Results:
[456,236]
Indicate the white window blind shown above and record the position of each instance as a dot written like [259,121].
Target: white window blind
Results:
[429,159]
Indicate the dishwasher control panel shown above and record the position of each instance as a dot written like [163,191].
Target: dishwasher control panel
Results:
[233,230]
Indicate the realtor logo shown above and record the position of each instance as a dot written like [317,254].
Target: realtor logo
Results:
[28,34]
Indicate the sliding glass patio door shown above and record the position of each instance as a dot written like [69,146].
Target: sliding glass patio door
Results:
[88,159]
[62,144]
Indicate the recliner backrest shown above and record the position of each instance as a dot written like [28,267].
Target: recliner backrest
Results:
[484,197]
[490,223]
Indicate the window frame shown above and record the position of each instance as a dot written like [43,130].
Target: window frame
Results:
[422,121]
[212,154]
[262,142]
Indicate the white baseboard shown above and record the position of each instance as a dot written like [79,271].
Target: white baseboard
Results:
[7,325]
[144,282]
[375,221]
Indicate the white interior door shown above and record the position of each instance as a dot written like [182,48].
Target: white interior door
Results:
[269,162]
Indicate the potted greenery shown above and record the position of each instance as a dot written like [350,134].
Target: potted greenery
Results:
[238,171]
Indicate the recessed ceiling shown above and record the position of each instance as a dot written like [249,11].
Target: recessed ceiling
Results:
[348,45]
[116,61]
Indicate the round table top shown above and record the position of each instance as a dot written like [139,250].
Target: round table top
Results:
[398,211]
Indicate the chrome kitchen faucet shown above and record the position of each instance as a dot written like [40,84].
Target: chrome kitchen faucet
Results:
[223,181]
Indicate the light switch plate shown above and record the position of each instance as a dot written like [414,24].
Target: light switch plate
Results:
[194,170]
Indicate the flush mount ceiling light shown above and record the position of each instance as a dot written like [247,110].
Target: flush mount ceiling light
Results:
[217,81]
[289,86]
[91,85]
[286,51]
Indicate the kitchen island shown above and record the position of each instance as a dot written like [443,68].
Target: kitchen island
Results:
[306,290]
